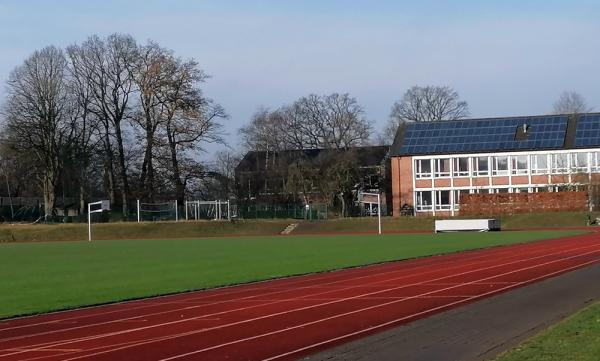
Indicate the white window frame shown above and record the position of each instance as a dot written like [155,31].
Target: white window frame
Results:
[419,174]
[438,204]
[442,174]
[558,167]
[574,165]
[500,172]
[456,171]
[420,207]
[515,169]
[535,167]
[477,171]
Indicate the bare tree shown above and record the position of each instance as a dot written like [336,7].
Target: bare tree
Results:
[154,69]
[108,64]
[425,104]
[189,119]
[571,102]
[38,118]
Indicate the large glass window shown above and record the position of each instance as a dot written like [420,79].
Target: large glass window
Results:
[424,201]
[442,167]
[481,166]
[539,163]
[519,164]
[457,197]
[595,161]
[579,162]
[442,200]
[461,167]
[500,165]
[560,163]
[423,168]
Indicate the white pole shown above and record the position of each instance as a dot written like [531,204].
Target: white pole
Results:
[138,210]
[228,210]
[186,211]
[197,209]
[176,214]
[379,211]
[89,223]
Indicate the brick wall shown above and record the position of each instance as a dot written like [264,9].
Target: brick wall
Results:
[513,203]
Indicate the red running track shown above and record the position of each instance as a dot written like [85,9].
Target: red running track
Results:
[288,318]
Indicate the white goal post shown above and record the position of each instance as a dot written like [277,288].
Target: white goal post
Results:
[378,208]
[104,206]
[217,210]
[157,211]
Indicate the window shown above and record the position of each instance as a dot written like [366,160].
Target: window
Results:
[442,200]
[424,201]
[539,163]
[519,164]
[500,165]
[595,161]
[442,167]
[461,167]
[560,163]
[481,166]
[457,195]
[423,168]
[521,190]
[579,162]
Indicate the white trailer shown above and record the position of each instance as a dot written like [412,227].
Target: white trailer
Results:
[463,225]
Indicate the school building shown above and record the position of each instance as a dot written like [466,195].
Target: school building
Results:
[434,163]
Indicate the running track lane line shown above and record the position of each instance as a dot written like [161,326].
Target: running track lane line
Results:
[381,305]
[479,256]
[200,294]
[219,290]
[82,339]
[414,315]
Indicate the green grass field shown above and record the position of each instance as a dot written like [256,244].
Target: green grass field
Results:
[41,277]
[575,339]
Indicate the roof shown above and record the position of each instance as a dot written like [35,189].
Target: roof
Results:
[543,132]
[365,156]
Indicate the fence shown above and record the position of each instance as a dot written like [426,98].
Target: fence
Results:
[293,211]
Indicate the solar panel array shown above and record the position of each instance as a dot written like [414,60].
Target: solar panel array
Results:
[587,133]
[484,135]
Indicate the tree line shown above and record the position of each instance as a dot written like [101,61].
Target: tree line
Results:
[115,118]
[108,116]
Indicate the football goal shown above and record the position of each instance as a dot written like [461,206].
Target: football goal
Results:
[217,210]
[164,211]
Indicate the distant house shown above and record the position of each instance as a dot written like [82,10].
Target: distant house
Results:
[434,164]
[301,176]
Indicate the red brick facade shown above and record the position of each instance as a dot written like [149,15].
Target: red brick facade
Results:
[513,203]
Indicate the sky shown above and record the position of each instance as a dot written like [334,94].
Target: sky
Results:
[503,57]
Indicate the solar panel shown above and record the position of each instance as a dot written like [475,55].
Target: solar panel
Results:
[482,135]
[587,133]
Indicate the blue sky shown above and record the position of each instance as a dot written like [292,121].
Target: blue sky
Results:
[503,57]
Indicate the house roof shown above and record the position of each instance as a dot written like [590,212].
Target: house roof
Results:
[257,160]
[543,132]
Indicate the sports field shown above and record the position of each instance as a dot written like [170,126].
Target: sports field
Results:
[41,277]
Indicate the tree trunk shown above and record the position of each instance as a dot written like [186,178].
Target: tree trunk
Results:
[147,173]
[49,195]
[179,185]
[123,171]
[109,168]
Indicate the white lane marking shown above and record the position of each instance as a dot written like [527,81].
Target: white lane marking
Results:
[349,298]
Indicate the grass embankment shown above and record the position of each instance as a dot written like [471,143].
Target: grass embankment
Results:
[403,224]
[40,277]
[144,230]
[162,230]
[575,339]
